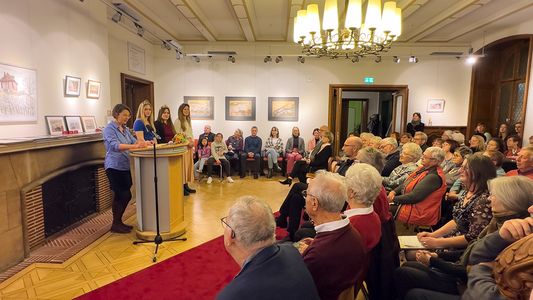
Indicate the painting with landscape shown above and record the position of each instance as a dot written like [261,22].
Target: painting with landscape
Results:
[240,108]
[202,107]
[18,95]
[283,108]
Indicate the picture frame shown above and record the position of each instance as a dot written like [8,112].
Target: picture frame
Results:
[93,89]
[18,95]
[56,125]
[283,109]
[89,124]
[240,108]
[201,107]
[136,59]
[73,124]
[72,86]
[435,105]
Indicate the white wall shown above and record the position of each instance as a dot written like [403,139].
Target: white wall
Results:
[441,78]
[56,38]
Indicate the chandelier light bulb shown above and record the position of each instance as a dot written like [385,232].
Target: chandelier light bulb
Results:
[313,18]
[471,60]
[373,14]
[354,14]
[331,16]
[388,18]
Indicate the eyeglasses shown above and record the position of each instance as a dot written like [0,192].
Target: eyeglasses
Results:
[225,224]
[305,194]
[346,145]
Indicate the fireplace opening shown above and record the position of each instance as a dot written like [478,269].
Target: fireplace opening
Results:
[68,198]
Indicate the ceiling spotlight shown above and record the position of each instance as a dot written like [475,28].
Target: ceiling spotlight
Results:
[471,59]
[267,59]
[196,59]
[279,59]
[165,45]
[355,59]
[396,59]
[378,59]
[231,58]
[117,17]
[178,55]
[140,30]
[413,59]
[300,59]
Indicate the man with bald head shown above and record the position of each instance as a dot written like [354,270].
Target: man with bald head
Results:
[294,202]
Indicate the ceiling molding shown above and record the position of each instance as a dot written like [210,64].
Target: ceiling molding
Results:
[194,15]
[141,9]
[240,12]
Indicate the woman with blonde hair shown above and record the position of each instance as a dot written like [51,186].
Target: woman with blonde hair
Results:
[144,119]
[185,127]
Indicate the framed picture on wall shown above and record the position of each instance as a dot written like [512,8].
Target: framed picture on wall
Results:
[89,123]
[56,124]
[93,89]
[73,123]
[435,105]
[283,108]
[240,108]
[136,62]
[72,86]
[18,95]
[202,107]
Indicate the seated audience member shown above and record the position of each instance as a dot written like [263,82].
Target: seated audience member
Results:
[458,137]
[421,138]
[207,134]
[273,150]
[295,147]
[293,204]
[496,144]
[447,135]
[518,129]
[163,125]
[477,143]
[514,143]
[364,183]
[471,213]
[481,130]
[409,155]
[218,149]
[415,125]
[252,150]
[268,270]
[318,161]
[524,162]
[204,153]
[437,142]
[389,147]
[453,173]
[375,142]
[423,189]
[405,138]
[497,159]
[503,132]
[531,140]
[441,271]
[366,137]
[235,145]
[449,147]
[313,141]
[396,136]
[336,256]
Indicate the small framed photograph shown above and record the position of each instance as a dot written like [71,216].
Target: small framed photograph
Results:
[73,124]
[89,123]
[435,105]
[56,125]
[202,107]
[240,108]
[93,89]
[72,86]
[283,108]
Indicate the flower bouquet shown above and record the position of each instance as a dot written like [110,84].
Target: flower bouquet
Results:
[180,138]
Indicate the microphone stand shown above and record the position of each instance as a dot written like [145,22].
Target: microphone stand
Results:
[158,239]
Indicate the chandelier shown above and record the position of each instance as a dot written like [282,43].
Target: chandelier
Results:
[357,38]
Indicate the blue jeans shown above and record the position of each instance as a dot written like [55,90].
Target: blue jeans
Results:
[272,156]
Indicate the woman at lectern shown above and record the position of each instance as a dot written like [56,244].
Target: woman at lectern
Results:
[118,141]
[164,126]
[184,121]
[144,124]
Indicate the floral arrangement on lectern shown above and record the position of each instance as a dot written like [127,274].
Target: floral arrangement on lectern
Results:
[180,138]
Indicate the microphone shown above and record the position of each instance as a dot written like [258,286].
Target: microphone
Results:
[149,127]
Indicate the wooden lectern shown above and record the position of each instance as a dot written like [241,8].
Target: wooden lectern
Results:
[169,159]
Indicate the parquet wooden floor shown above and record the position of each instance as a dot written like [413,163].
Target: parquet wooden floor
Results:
[113,256]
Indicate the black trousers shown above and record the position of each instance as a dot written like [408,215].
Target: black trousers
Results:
[224,164]
[413,274]
[299,170]
[120,182]
[292,207]
[255,166]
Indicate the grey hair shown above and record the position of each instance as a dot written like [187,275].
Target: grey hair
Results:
[436,153]
[458,137]
[366,135]
[239,131]
[331,191]
[448,133]
[390,141]
[252,221]
[515,193]
[375,139]
[415,152]
[423,135]
[365,182]
[329,135]
[464,151]
[372,156]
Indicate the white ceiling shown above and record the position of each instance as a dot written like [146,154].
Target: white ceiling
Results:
[424,21]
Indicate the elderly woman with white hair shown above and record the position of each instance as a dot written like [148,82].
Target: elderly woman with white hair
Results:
[409,155]
[417,200]
[268,270]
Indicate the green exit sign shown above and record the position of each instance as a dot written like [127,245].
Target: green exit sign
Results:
[368,80]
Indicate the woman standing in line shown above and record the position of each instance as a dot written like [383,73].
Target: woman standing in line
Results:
[118,141]
[144,119]
[185,127]
[164,126]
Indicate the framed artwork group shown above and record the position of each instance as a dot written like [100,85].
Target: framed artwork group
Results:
[243,108]
[73,87]
[58,125]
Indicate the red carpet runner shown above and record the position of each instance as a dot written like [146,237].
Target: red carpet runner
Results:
[198,273]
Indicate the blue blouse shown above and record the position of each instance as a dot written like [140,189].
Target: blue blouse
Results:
[113,137]
[139,126]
